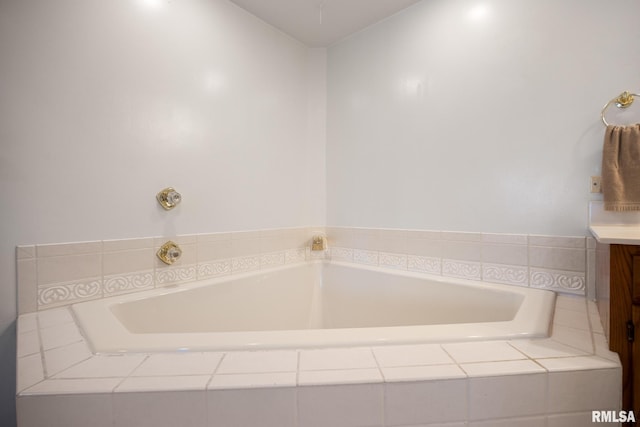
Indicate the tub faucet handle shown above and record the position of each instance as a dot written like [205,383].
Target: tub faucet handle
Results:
[168,198]
[319,243]
[169,253]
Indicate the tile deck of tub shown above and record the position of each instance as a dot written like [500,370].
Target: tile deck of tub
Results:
[54,362]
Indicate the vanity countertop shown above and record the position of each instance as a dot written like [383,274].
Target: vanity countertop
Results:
[616,234]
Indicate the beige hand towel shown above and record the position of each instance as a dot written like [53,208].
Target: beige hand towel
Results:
[621,168]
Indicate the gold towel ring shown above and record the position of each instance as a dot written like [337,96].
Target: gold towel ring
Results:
[624,100]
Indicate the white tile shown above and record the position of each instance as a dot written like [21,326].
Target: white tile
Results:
[461,236]
[411,355]
[424,402]
[73,248]
[511,422]
[126,244]
[544,348]
[486,351]
[179,364]
[29,371]
[28,343]
[182,240]
[577,363]
[341,405]
[462,250]
[500,253]
[511,239]
[340,376]
[61,358]
[25,251]
[568,302]
[366,239]
[507,396]
[394,241]
[61,335]
[103,367]
[241,362]
[27,322]
[27,279]
[340,236]
[422,373]
[128,261]
[166,409]
[571,318]
[252,407]
[69,267]
[337,358]
[596,323]
[255,380]
[557,241]
[167,383]
[428,247]
[54,317]
[74,386]
[509,367]
[557,258]
[214,248]
[577,338]
[67,410]
[602,348]
[575,391]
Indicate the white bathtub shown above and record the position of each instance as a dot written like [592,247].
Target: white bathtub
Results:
[314,305]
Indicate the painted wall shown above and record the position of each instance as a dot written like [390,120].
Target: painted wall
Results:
[103,104]
[476,115]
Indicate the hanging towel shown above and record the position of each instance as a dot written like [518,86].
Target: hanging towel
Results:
[621,168]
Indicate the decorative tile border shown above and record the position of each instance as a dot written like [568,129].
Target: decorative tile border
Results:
[341,254]
[461,269]
[389,260]
[176,275]
[563,281]
[127,283]
[214,269]
[362,256]
[506,274]
[59,294]
[424,264]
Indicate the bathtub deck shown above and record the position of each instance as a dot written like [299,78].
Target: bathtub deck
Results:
[555,381]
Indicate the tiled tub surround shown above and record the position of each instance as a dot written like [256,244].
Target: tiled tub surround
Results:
[54,275]
[550,382]
[546,382]
[559,263]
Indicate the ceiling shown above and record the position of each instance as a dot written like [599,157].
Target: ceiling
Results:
[320,23]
